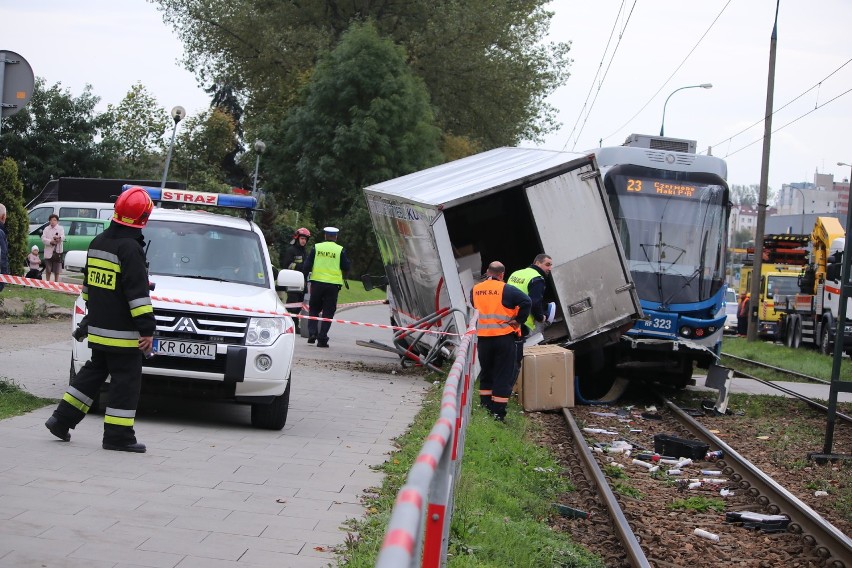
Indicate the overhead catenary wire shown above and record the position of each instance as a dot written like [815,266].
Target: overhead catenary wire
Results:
[774,112]
[594,100]
[600,66]
[791,122]
[666,82]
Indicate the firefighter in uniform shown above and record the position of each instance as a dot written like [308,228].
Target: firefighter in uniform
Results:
[326,264]
[294,258]
[501,309]
[531,281]
[120,327]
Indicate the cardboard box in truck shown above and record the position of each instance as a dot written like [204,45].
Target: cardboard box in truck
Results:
[438,229]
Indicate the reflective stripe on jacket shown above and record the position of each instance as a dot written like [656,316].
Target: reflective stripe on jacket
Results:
[326,266]
[116,290]
[493,315]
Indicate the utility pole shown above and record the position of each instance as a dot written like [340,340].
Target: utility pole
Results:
[754,303]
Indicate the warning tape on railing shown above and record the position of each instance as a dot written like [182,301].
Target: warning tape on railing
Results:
[67,288]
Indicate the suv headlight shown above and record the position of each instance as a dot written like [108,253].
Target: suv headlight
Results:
[264,331]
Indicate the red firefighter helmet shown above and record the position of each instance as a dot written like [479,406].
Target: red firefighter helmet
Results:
[133,207]
[301,232]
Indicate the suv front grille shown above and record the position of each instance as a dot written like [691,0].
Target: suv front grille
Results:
[216,328]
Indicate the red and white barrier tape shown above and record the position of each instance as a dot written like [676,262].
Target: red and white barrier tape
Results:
[75,289]
[43,284]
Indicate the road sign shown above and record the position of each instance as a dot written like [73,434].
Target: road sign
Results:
[16,82]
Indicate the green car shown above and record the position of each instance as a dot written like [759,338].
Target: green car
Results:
[79,232]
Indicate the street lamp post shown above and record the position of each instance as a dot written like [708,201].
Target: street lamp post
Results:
[178,113]
[702,85]
[259,148]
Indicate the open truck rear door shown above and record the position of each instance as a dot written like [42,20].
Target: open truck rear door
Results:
[574,225]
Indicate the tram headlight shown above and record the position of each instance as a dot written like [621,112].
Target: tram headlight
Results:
[686,331]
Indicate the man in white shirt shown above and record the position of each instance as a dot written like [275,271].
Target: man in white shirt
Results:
[53,237]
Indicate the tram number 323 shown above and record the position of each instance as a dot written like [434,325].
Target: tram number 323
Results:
[660,323]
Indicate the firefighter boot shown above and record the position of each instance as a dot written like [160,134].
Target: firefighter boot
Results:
[136,447]
[57,429]
[485,402]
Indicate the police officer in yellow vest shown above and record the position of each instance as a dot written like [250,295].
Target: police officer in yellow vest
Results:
[531,281]
[501,310]
[326,265]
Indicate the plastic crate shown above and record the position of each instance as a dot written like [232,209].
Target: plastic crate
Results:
[666,445]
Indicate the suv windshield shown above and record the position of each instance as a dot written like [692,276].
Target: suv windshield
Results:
[194,250]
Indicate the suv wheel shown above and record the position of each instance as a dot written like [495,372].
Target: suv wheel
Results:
[272,416]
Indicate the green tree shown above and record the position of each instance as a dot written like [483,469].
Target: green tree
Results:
[742,238]
[365,119]
[484,62]
[200,149]
[55,135]
[135,134]
[17,222]
[748,194]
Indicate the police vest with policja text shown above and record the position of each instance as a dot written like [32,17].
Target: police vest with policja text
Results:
[521,279]
[326,266]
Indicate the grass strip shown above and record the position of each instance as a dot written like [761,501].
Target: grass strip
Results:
[15,401]
[804,360]
[502,501]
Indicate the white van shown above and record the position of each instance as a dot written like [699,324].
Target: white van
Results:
[40,214]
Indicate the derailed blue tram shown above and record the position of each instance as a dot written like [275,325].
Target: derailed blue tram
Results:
[671,207]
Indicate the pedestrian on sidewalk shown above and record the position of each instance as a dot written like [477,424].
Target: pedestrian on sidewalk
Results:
[34,264]
[53,236]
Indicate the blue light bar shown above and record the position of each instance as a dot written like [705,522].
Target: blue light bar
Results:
[198,197]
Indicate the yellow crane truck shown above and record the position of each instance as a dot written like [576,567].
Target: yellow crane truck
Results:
[809,316]
[783,259]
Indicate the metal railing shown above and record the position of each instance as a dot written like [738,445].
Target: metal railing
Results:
[418,530]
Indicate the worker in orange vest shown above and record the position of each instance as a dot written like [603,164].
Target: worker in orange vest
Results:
[502,309]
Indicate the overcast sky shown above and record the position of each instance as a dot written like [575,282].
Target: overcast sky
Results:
[113,44]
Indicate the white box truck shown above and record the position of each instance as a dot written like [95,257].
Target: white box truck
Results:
[438,229]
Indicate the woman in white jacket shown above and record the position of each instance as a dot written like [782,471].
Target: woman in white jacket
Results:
[53,237]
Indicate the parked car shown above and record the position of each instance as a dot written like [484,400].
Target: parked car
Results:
[79,232]
[41,213]
[730,311]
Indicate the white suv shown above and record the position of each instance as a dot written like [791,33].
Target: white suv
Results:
[222,330]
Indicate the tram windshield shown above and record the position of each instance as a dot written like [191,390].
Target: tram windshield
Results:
[673,232]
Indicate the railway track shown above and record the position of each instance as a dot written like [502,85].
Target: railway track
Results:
[788,372]
[642,528]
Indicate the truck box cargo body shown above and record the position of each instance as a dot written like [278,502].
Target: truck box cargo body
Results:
[438,230]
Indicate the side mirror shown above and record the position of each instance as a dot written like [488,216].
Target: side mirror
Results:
[290,281]
[75,260]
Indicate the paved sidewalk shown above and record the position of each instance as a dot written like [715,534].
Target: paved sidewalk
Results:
[211,492]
